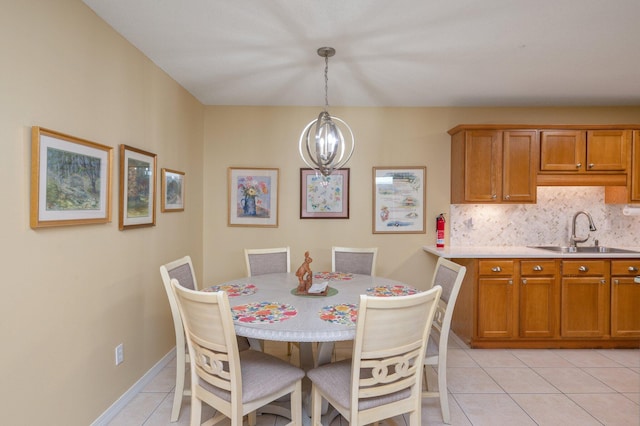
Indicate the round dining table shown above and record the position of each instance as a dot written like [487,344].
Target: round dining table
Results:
[267,307]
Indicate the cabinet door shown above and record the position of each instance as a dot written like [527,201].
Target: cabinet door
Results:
[625,307]
[607,150]
[635,167]
[584,307]
[482,170]
[495,308]
[562,150]
[520,153]
[538,307]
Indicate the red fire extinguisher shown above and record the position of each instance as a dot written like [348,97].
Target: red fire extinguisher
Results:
[440,231]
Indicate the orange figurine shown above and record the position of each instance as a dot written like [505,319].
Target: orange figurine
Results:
[304,274]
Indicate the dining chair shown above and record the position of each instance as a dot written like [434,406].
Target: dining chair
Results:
[182,270]
[449,276]
[354,260]
[235,383]
[267,260]
[384,377]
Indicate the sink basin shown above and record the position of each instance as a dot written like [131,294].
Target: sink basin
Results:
[584,249]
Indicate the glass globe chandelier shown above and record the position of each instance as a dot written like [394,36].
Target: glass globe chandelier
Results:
[322,143]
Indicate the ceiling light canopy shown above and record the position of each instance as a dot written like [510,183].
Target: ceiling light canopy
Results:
[322,143]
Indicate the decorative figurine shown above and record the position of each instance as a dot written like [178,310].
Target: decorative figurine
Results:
[304,274]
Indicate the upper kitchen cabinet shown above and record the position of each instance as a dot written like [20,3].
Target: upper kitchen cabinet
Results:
[584,157]
[635,168]
[583,152]
[493,166]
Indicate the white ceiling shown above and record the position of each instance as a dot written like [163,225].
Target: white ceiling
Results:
[391,52]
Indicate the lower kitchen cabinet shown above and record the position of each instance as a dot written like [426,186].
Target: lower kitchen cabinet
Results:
[585,298]
[625,298]
[549,303]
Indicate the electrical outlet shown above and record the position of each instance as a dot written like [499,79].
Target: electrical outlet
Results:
[119,354]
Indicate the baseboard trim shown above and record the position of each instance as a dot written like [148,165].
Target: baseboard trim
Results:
[126,398]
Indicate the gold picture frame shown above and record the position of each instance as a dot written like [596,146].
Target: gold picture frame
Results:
[137,188]
[253,197]
[172,191]
[70,180]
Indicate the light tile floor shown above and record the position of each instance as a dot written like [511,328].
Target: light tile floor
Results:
[487,387]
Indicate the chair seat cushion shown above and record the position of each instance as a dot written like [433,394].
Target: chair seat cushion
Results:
[262,375]
[335,379]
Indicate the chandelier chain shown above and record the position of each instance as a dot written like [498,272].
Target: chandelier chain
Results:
[326,82]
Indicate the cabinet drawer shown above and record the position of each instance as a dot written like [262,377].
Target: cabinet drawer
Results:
[584,267]
[495,267]
[537,267]
[630,267]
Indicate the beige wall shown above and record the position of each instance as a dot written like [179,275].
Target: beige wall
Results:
[71,294]
[386,137]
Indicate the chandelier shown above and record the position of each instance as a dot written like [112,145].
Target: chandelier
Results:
[322,143]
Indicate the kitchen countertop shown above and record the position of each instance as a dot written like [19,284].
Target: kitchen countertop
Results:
[494,252]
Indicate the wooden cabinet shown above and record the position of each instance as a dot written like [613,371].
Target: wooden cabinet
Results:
[625,298]
[496,301]
[539,299]
[493,166]
[584,298]
[635,168]
[549,303]
[580,151]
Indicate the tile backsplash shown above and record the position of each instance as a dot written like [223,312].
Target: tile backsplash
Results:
[546,223]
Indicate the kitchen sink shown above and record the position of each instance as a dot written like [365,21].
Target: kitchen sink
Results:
[584,249]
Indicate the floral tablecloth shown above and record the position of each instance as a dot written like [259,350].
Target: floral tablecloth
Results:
[391,290]
[234,290]
[263,312]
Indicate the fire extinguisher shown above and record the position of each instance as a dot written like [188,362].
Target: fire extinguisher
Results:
[440,231]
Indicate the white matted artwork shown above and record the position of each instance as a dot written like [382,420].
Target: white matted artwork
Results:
[399,200]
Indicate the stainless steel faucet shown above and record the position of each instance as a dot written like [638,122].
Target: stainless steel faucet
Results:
[592,227]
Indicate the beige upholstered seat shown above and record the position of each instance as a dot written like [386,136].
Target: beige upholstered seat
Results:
[182,270]
[354,260]
[234,383]
[449,276]
[383,379]
[267,260]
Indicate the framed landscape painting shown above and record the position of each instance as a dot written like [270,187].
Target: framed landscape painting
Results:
[70,180]
[399,200]
[253,197]
[172,199]
[324,197]
[137,188]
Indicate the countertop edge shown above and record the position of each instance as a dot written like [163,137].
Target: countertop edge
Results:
[521,252]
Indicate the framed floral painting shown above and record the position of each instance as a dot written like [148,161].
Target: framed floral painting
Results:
[253,197]
[324,197]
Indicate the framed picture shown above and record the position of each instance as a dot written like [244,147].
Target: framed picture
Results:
[253,197]
[172,199]
[324,197]
[399,199]
[70,180]
[137,188]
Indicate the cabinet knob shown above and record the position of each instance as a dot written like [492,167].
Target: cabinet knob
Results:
[591,165]
[583,268]
[616,282]
[603,282]
[496,269]
[524,281]
[506,197]
[578,165]
[494,196]
[510,282]
[633,269]
[538,268]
